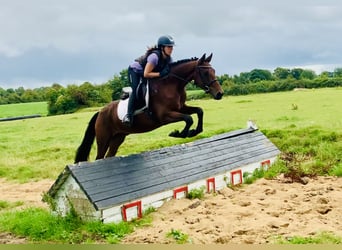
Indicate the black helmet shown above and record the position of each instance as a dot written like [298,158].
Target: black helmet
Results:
[165,41]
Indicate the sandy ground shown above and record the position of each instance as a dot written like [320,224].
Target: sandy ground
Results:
[251,214]
[254,214]
[28,194]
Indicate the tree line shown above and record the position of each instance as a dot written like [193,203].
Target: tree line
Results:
[63,100]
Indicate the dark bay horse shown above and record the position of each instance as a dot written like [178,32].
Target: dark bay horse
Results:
[166,105]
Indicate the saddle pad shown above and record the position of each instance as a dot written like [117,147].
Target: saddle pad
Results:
[123,106]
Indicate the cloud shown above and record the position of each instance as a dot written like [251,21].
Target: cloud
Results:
[53,41]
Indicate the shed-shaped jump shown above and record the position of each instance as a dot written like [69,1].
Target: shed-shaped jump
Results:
[121,188]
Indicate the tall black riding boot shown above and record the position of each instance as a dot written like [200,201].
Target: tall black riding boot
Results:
[128,119]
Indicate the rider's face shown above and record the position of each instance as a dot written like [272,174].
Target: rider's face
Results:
[168,50]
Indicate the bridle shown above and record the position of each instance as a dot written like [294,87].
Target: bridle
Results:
[198,67]
[206,85]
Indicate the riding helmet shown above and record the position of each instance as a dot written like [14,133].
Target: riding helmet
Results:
[165,41]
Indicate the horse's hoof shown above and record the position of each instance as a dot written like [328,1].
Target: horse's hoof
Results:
[175,133]
[192,133]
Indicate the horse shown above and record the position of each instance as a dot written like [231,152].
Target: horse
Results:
[166,105]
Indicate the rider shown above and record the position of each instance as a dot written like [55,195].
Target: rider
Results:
[151,65]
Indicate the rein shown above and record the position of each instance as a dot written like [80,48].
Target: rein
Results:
[179,77]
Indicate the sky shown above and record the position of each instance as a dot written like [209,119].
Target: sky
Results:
[73,41]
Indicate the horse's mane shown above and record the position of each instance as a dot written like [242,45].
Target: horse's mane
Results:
[183,61]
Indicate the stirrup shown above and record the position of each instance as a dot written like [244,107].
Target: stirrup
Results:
[127,120]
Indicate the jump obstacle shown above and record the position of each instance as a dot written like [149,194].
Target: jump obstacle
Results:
[120,188]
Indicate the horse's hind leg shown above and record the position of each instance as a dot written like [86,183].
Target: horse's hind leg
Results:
[102,147]
[102,140]
[115,143]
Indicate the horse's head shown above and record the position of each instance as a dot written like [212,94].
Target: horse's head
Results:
[205,77]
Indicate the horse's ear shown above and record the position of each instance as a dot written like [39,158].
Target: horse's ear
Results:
[208,59]
[201,60]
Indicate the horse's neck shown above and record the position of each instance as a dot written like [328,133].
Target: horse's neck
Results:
[184,71]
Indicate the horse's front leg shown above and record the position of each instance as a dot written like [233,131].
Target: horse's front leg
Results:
[194,110]
[185,115]
[172,117]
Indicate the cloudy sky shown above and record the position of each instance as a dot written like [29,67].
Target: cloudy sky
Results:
[71,41]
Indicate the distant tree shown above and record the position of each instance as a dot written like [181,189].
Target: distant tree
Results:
[105,93]
[20,91]
[224,77]
[3,96]
[30,95]
[308,74]
[65,104]
[243,78]
[66,100]
[338,72]
[326,74]
[118,82]
[10,91]
[42,93]
[52,96]
[57,86]
[296,73]
[225,81]
[257,75]
[78,94]
[281,73]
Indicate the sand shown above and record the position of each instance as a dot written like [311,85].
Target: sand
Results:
[252,214]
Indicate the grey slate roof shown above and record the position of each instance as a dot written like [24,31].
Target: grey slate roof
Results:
[118,180]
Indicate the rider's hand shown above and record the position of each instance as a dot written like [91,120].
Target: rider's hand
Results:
[165,71]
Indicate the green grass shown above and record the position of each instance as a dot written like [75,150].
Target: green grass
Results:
[249,178]
[309,137]
[39,225]
[178,236]
[9,205]
[320,238]
[309,151]
[35,149]
[20,109]
[197,193]
[40,148]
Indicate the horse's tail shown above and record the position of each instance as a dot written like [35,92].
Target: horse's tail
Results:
[83,150]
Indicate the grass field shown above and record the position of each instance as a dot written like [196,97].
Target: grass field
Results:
[40,148]
[21,109]
[305,124]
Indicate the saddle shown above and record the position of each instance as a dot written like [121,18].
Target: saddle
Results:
[141,99]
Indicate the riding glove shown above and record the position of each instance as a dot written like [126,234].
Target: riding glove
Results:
[165,71]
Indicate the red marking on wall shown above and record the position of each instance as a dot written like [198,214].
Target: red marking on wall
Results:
[265,164]
[181,190]
[236,177]
[125,207]
[211,185]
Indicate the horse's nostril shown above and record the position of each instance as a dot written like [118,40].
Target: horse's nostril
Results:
[218,96]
